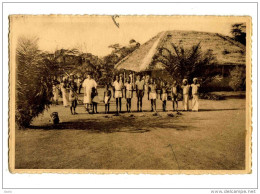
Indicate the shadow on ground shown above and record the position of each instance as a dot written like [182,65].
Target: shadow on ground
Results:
[204,110]
[111,125]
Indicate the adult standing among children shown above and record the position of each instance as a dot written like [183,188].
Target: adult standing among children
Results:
[139,84]
[118,93]
[88,86]
[195,95]
[185,89]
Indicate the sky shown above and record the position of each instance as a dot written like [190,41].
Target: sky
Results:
[94,34]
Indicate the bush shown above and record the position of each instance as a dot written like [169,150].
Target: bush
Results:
[237,79]
[33,83]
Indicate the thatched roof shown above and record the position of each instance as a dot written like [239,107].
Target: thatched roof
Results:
[225,50]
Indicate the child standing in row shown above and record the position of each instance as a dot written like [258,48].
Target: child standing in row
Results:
[152,95]
[72,95]
[174,96]
[195,97]
[164,96]
[107,97]
[129,87]
[118,93]
[185,89]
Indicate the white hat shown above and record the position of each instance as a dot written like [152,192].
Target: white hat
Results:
[184,80]
[195,78]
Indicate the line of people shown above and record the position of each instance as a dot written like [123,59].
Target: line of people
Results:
[165,92]
[70,89]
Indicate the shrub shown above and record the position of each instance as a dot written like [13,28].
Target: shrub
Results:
[237,78]
[33,83]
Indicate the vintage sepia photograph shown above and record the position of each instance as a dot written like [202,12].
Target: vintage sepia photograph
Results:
[130,94]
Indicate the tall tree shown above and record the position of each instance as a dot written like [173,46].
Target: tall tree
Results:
[238,31]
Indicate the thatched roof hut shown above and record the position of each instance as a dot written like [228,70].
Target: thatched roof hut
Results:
[225,50]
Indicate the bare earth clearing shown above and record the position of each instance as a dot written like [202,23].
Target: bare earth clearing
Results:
[211,139]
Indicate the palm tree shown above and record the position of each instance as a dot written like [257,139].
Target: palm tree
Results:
[183,63]
[33,84]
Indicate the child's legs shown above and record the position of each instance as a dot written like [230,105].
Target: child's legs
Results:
[95,107]
[105,108]
[138,100]
[152,104]
[116,104]
[120,103]
[130,103]
[127,104]
[163,105]
[74,104]
[141,102]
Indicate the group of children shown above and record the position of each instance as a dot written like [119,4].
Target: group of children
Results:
[70,88]
[165,92]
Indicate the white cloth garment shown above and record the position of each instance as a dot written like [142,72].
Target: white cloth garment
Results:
[55,92]
[195,97]
[65,96]
[118,89]
[164,97]
[88,84]
[186,97]
[152,96]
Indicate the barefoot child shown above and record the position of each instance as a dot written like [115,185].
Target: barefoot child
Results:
[118,93]
[95,100]
[139,85]
[107,97]
[174,96]
[72,95]
[164,96]
[128,94]
[152,95]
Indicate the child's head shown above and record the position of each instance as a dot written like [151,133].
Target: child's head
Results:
[138,78]
[195,80]
[174,82]
[185,82]
[88,75]
[117,78]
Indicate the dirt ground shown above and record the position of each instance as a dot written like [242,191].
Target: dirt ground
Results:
[211,139]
